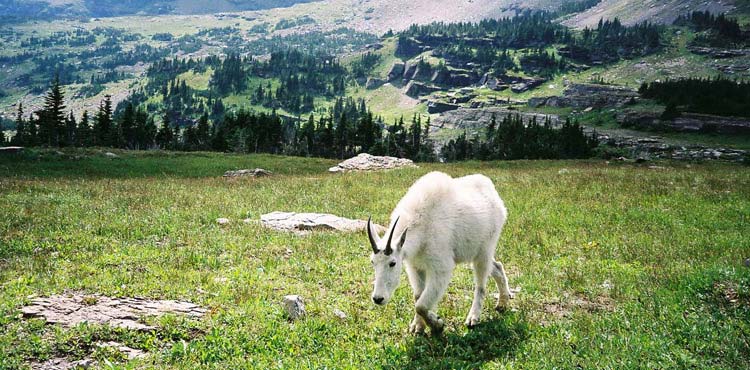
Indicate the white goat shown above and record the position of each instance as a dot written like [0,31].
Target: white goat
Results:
[449,221]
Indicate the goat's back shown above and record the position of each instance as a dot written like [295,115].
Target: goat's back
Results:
[461,215]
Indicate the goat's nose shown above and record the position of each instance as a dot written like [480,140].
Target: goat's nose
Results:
[377,300]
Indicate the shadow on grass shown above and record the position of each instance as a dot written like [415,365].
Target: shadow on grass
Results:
[495,339]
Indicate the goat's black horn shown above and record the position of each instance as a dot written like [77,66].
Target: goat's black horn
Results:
[388,248]
[373,243]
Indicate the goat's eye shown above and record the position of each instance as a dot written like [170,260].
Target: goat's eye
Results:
[392,264]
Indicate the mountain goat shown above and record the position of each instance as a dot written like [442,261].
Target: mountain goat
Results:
[440,222]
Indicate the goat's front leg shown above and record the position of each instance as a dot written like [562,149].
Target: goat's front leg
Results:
[435,287]
[417,282]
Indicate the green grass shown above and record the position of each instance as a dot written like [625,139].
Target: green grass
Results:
[652,256]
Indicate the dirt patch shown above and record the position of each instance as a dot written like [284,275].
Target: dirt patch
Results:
[565,307]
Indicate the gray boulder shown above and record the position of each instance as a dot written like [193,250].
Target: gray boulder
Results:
[440,107]
[367,162]
[258,172]
[373,83]
[396,71]
[302,223]
[415,89]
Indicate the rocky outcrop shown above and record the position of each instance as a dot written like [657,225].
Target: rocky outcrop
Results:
[461,79]
[410,71]
[473,119]
[686,122]
[258,172]
[414,89]
[654,147]
[367,162]
[396,71]
[302,223]
[72,309]
[373,83]
[582,96]
[719,53]
[440,107]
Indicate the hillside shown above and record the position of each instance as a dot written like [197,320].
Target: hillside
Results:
[636,11]
[55,9]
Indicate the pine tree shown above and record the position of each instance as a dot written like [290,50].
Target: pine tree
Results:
[83,131]
[165,137]
[202,133]
[128,127]
[103,126]
[21,130]
[52,116]
[70,130]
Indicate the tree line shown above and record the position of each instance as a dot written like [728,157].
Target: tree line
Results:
[511,139]
[346,129]
[720,96]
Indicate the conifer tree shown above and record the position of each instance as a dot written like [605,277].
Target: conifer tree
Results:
[103,126]
[70,130]
[83,131]
[20,138]
[52,116]
[165,137]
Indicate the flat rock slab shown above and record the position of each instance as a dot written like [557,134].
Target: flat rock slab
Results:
[306,222]
[62,363]
[367,162]
[258,172]
[74,308]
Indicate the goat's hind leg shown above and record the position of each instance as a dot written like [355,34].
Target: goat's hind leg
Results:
[498,273]
[481,272]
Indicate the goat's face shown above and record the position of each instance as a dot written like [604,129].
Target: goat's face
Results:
[386,259]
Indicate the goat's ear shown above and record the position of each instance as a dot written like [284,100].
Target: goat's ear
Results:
[402,239]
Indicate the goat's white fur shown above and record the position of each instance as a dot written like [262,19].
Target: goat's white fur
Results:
[447,221]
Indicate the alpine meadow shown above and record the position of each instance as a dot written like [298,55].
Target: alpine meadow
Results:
[319,184]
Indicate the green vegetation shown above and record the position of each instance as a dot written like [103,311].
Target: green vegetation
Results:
[715,30]
[512,138]
[620,266]
[718,96]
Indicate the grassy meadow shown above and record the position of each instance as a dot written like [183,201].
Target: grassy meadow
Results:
[619,265]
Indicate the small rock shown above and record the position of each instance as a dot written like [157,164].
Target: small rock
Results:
[258,172]
[248,221]
[111,155]
[340,314]
[563,171]
[747,262]
[294,306]
[222,221]
[130,353]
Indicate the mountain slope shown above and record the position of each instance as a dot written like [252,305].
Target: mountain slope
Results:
[48,9]
[635,11]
